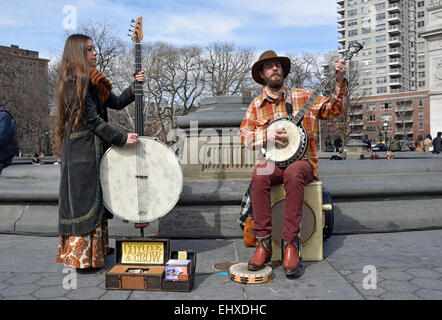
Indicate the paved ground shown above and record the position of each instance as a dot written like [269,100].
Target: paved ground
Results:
[383,266]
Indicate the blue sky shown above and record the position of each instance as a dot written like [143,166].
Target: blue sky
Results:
[286,26]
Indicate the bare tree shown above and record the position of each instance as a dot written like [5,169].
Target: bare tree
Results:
[107,43]
[227,67]
[305,71]
[24,92]
[350,121]
[190,66]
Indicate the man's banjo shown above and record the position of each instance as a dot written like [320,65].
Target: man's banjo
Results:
[296,133]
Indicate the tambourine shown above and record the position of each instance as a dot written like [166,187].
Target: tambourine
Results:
[240,273]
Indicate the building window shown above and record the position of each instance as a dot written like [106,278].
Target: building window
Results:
[381,80]
[366,41]
[366,30]
[353,33]
[365,20]
[380,6]
[381,27]
[421,65]
[381,90]
[371,107]
[381,38]
[352,13]
[365,10]
[386,106]
[366,62]
[420,114]
[381,59]
[421,74]
[421,84]
[352,22]
[421,14]
[380,16]
[421,126]
[381,49]
[386,117]
[366,72]
[371,117]
[420,24]
[420,103]
[366,82]
[380,70]
[371,129]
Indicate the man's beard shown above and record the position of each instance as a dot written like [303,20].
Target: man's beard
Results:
[274,83]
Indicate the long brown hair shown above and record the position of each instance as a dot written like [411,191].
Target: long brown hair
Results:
[73,68]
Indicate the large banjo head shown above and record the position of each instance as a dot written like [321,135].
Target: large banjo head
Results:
[296,141]
[142,182]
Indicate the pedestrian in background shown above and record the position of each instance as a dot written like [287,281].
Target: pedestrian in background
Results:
[437,143]
[337,143]
[8,139]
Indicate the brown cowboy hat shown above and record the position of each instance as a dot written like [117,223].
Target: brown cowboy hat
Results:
[267,56]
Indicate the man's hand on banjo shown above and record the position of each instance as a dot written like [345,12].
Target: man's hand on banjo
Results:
[279,136]
[340,70]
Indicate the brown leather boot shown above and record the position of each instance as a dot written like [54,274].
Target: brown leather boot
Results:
[263,253]
[291,258]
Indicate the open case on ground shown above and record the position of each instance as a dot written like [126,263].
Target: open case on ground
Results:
[140,264]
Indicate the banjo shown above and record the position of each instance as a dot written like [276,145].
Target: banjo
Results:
[296,133]
[142,182]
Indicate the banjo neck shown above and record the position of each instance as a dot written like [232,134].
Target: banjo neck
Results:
[300,114]
[354,48]
[139,98]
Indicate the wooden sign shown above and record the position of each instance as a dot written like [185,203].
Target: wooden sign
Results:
[142,252]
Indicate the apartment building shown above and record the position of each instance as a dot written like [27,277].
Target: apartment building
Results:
[389,94]
[393,58]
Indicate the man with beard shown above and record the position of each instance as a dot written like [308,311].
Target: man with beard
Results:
[270,71]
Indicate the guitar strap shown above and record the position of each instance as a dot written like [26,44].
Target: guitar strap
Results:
[289,108]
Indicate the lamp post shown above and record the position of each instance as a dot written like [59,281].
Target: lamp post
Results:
[47,141]
[385,126]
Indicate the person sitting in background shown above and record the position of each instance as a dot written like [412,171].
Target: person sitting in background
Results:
[420,143]
[328,145]
[374,156]
[390,155]
[36,160]
[437,143]
[428,144]
[405,144]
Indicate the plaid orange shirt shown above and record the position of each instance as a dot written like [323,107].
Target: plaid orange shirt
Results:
[262,112]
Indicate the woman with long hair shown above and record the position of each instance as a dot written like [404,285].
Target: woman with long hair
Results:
[82,136]
[420,143]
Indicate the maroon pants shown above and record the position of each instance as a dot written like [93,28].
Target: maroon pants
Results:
[294,177]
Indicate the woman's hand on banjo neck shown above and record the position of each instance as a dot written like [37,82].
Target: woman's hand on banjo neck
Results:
[132,138]
[279,137]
